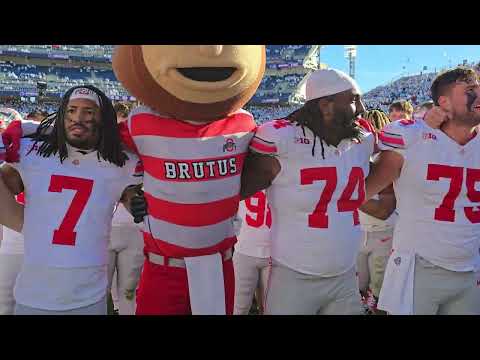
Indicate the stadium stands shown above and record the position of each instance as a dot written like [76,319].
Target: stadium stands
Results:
[284,71]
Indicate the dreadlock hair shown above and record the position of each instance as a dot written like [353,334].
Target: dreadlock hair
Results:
[310,114]
[377,118]
[53,138]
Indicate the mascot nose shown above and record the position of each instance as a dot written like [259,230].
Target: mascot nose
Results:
[211,50]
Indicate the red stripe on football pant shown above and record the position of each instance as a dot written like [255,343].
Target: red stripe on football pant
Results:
[149,124]
[192,214]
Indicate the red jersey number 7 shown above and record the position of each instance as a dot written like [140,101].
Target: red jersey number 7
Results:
[65,234]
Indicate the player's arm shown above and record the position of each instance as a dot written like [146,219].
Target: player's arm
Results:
[12,135]
[11,212]
[125,136]
[132,196]
[258,173]
[261,164]
[11,178]
[385,170]
[394,141]
[383,207]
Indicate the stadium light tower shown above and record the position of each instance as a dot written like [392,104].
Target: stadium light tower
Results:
[312,59]
[351,55]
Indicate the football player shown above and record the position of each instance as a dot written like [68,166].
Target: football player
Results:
[73,173]
[252,253]
[125,249]
[435,174]
[377,219]
[314,164]
[11,248]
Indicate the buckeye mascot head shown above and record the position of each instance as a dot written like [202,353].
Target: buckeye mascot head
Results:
[200,83]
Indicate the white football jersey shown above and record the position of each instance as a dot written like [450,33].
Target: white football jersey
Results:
[256,218]
[314,201]
[69,206]
[67,223]
[438,194]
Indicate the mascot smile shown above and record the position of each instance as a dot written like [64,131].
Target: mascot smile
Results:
[199,83]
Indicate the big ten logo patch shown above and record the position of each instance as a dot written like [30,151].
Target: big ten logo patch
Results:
[201,170]
[429,136]
[229,145]
[300,140]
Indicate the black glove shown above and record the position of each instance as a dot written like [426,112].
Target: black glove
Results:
[138,207]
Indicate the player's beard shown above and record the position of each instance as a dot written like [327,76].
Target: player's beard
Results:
[466,119]
[88,143]
[344,126]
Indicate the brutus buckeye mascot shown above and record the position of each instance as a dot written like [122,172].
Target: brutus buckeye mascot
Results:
[192,138]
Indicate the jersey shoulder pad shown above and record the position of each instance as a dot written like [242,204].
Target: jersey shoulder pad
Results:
[365,126]
[271,137]
[400,134]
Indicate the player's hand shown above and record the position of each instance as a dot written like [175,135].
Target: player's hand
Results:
[11,140]
[130,294]
[138,207]
[436,117]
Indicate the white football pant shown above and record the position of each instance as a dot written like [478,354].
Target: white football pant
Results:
[251,273]
[292,293]
[372,260]
[438,291]
[125,260]
[10,266]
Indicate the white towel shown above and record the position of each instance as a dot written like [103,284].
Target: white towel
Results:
[206,285]
[396,295]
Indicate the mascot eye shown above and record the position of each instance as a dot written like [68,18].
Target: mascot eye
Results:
[208,74]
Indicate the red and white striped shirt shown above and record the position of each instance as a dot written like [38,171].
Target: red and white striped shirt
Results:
[191,181]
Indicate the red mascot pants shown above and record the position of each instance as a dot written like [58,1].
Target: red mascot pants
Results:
[163,290]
